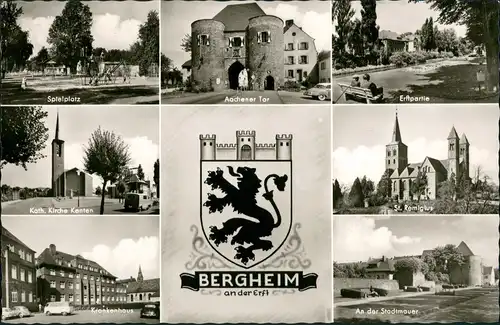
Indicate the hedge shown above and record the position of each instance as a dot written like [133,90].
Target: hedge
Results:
[352,293]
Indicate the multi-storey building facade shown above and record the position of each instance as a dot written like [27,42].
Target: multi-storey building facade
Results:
[300,52]
[65,277]
[18,272]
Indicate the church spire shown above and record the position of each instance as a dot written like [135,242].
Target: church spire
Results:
[396,133]
[57,126]
[139,274]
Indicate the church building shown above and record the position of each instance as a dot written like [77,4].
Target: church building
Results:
[403,174]
[67,183]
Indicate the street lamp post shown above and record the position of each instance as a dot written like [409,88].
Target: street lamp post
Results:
[79,186]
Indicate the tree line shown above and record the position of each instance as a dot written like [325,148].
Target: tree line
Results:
[70,40]
[24,137]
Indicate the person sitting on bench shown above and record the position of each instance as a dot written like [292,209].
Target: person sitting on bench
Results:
[355,81]
[370,85]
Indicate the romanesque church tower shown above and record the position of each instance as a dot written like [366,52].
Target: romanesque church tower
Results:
[464,154]
[453,154]
[396,150]
[58,181]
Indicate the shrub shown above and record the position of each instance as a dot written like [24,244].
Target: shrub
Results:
[398,59]
[352,293]
[381,292]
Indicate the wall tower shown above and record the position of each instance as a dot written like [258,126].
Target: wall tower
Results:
[396,150]
[283,147]
[245,145]
[58,180]
[207,147]
[453,153]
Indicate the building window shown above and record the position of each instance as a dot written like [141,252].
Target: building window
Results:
[92,278]
[13,274]
[289,47]
[52,284]
[62,284]
[112,289]
[203,40]
[30,296]
[290,60]
[22,255]
[263,37]
[85,276]
[290,74]
[97,299]
[29,257]
[98,279]
[394,152]
[30,277]
[91,297]
[235,42]
[61,273]
[77,286]
[70,296]
[84,297]
[98,288]
[13,295]
[305,74]
[323,65]
[78,275]
[63,298]
[52,272]
[52,297]
[452,146]
[70,275]
[303,59]
[77,298]
[70,285]
[389,161]
[304,46]
[23,296]
[22,275]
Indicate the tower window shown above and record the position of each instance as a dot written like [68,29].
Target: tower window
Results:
[248,139]
[388,153]
[235,42]
[204,143]
[264,37]
[203,40]
[287,144]
[242,139]
[281,144]
[394,152]
[389,161]
[394,161]
[452,146]
[210,143]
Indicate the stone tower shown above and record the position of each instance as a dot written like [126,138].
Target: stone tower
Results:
[283,147]
[464,154]
[58,181]
[139,275]
[245,145]
[453,153]
[208,147]
[396,150]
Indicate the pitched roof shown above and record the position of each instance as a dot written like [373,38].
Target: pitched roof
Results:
[453,134]
[487,270]
[396,133]
[47,258]
[235,17]
[464,249]
[10,236]
[150,285]
[323,55]
[187,64]
[463,139]
[387,34]
[437,165]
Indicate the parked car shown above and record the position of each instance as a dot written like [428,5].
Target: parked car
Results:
[321,91]
[23,311]
[58,308]
[151,311]
[137,201]
[8,313]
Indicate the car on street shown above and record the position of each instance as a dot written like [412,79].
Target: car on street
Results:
[151,311]
[58,308]
[22,311]
[321,91]
[8,313]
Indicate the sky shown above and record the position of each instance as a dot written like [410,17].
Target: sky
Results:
[130,243]
[313,16]
[401,16]
[358,238]
[360,133]
[138,126]
[115,23]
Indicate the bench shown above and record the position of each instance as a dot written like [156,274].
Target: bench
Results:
[361,93]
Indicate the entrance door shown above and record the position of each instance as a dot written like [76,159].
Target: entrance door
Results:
[233,73]
[246,152]
[269,83]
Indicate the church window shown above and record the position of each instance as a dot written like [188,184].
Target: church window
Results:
[388,153]
[452,146]
[394,152]
[389,161]
[394,161]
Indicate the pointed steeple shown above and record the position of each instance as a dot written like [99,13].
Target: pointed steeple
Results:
[396,133]
[453,134]
[57,126]
[139,274]
[463,139]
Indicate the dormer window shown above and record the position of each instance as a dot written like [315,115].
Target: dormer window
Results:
[204,39]
[236,42]
[264,37]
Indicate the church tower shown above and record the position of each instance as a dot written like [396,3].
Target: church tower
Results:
[464,154]
[453,153]
[58,180]
[396,151]
[139,275]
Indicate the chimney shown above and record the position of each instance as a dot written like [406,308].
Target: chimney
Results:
[289,22]
[52,248]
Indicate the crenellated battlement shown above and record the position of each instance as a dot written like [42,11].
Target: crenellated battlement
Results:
[266,146]
[207,136]
[283,137]
[226,146]
[245,133]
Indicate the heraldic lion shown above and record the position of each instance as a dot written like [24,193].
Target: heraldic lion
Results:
[242,198]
